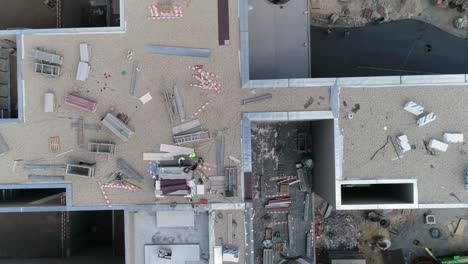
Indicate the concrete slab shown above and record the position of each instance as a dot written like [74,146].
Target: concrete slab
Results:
[175,219]
[379,113]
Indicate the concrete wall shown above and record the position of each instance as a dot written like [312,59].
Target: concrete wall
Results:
[323,154]
[77,260]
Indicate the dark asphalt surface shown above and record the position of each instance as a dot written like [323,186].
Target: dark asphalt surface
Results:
[404,47]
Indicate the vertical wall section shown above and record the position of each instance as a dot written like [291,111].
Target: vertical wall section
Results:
[323,154]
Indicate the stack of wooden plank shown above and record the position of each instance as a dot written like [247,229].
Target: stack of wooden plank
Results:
[81,103]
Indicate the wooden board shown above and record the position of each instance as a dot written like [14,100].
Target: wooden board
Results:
[223,22]
[175,150]
[185,126]
[157,156]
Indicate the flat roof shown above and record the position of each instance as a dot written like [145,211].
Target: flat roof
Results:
[381,114]
[108,56]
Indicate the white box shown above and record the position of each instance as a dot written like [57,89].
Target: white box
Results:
[84,52]
[437,145]
[200,189]
[453,137]
[49,102]
[146,98]
[426,119]
[414,108]
[82,72]
[403,143]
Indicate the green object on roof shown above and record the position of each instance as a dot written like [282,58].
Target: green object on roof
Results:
[454,260]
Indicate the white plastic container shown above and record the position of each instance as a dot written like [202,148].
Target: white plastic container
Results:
[437,145]
[453,138]
[49,102]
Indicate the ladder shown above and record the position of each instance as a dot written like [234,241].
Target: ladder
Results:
[182,139]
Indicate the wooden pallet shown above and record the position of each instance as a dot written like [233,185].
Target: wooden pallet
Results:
[54,144]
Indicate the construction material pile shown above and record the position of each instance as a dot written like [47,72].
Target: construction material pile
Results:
[206,80]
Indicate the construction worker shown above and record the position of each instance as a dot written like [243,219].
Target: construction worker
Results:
[192,155]
[181,160]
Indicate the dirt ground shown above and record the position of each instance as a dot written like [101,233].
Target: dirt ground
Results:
[364,12]
[274,157]
[351,231]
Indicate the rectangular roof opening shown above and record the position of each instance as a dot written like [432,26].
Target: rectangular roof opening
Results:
[50,14]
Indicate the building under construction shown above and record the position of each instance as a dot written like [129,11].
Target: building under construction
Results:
[191,132]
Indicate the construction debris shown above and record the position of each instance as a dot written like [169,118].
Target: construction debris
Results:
[175,150]
[157,156]
[466,179]
[414,108]
[460,227]
[177,51]
[119,182]
[101,148]
[403,143]
[187,128]
[80,170]
[47,69]
[194,137]
[134,78]
[50,103]
[220,154]
[87,126]
[80,132]
[169,99]
[231,181]
[129,171]
[146,98]
[174,173]
[117,126]
[172,187]
[165,11]
[81,103]
[279,204]
[205,80]
[340,232]
[179,103]
[84,52]
[3,145]
[82,72]
[258,98]
[229,228]
[46,167]
[429,219]
[46,57]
